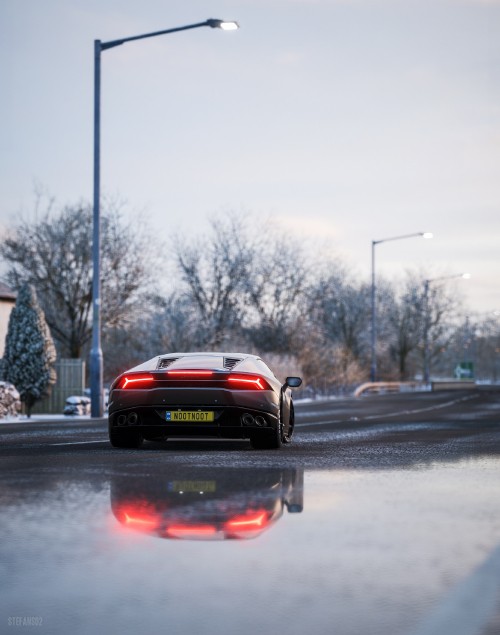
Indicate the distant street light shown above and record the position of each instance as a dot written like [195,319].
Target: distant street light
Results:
[427,325]
[373,370]
[96,364]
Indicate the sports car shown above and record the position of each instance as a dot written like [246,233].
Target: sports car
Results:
[225,395]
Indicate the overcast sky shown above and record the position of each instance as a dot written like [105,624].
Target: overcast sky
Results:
[346,120]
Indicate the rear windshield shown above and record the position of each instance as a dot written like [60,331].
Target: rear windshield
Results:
[199,361]
[252,365]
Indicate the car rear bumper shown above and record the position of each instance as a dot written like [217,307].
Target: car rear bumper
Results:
[231,422]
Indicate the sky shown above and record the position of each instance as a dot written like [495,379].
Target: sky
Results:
[345,121]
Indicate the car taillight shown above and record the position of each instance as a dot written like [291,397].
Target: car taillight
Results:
[248,382]
[195,377]
[136,381]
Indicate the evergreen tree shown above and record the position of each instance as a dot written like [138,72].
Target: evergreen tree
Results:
[30,355]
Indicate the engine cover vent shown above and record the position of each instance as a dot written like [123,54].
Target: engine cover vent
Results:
[166,361]
[230,362]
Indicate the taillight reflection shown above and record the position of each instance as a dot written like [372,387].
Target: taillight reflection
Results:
[191,531]
[248,525]
[140,519]
[146,519]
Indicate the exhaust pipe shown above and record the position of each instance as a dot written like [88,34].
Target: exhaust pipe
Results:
[248,419]
[121,420]
[260,421]
[132,418]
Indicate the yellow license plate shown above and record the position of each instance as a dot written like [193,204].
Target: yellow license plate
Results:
[192,416]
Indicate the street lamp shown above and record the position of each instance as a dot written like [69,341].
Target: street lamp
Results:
[427,325]
[96,365]
[373,370]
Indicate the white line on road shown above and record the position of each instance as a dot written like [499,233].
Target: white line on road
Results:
[78,442]
[390,414]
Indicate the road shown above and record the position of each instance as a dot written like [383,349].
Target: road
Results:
[383,516]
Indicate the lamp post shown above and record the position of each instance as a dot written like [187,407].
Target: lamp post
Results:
[427,324]
[96,365]
[373,369]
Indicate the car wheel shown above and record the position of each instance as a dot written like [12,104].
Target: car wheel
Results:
[268,440]
[125,438]
[287,438]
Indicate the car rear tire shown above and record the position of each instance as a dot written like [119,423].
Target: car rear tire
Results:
[287,438]
[268,440]
[125,438]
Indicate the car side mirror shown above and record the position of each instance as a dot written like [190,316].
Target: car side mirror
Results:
[293,382]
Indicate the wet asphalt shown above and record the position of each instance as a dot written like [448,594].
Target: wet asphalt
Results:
[382,516]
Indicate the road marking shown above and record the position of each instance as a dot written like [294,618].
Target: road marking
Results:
[325,423]
[77,442]
[391,414]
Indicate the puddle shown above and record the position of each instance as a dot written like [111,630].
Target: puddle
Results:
[239,551]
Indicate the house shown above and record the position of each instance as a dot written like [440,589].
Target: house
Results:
[7,302]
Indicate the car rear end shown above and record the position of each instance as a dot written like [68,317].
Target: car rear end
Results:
[193,401]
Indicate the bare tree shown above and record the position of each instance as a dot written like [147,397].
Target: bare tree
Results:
[443,305]
[214,270]
[487,349]
[410,314]
[406,317]
[277,287]
[473,338]
[341,307]
[54,254]
[328,367]
[244,282]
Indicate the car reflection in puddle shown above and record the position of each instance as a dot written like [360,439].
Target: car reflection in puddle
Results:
[207,503]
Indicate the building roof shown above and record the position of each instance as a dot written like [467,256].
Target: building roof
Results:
[6,293]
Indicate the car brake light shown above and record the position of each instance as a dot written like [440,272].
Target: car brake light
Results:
[192,374]
[248,382]
[136,381]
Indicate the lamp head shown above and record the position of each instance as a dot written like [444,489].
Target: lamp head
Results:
[223,24]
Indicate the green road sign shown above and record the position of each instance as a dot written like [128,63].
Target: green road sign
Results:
[464,370]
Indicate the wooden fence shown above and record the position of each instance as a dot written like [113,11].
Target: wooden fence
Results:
[70,381]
